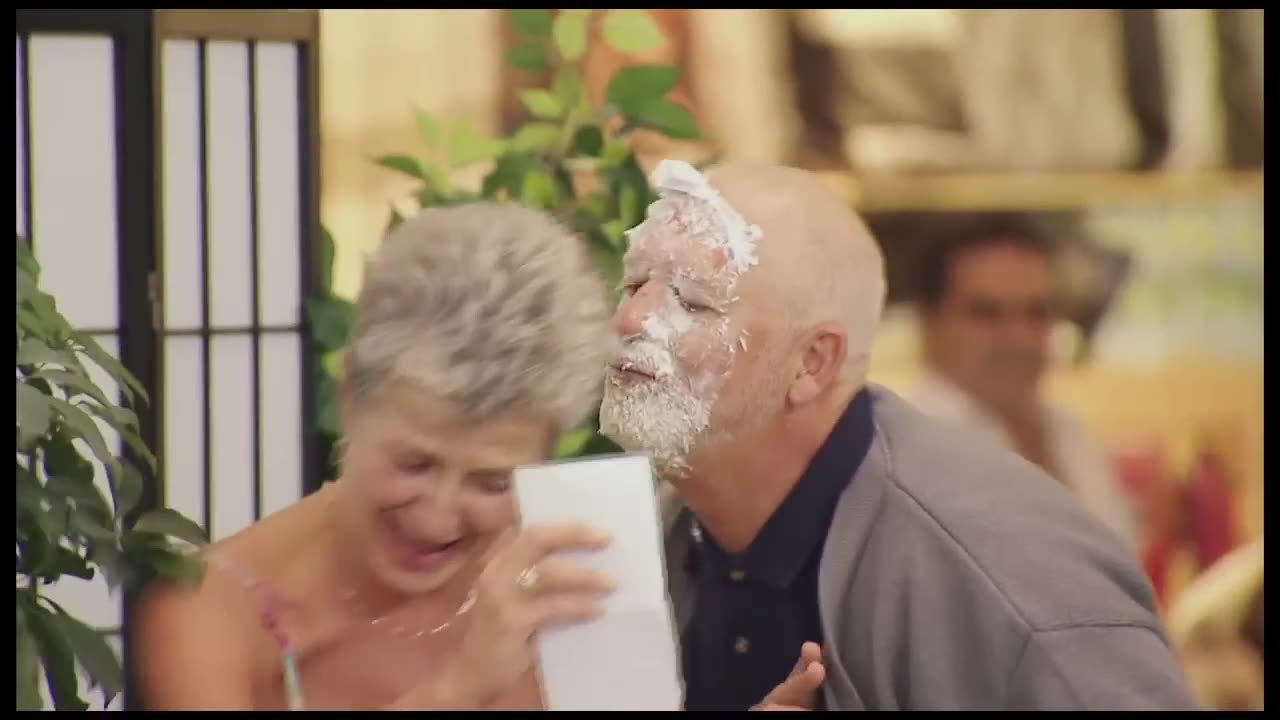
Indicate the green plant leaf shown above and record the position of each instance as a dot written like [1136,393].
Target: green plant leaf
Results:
[35,351]
[588,140]
[128,383]
[508,174]
[539,190]
[109,559]
[82,424]
[616,231]
[535,136]
[74,383]
[570,32]
[186,569]
[328,408]
[59,662]
[332,363]
[568,89]
[467,147]
[83,491]
[29,322]
[93,652]
[529,56]
[34,413]
[572,441]
[26,260]
[170,523]
[607,260]
[331,321]
[599,445]
[128,489]
[638,86]
[428,129]
[69,563]
[542,104]
[26,286]
[532,22]
[669,118]
[27,662]
[402,164]
[327,252]
[631,31]
[630,209]
[92,525]
[615,152]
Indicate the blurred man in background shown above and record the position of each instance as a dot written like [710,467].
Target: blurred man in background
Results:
[988,296]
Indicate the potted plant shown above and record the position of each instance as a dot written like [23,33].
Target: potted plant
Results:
[572,158]
[66,525]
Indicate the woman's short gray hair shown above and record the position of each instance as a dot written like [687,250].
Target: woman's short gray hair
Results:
[492,307]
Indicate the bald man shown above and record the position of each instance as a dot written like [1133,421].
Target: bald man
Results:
[933,569]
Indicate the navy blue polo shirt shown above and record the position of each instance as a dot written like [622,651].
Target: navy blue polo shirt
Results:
[754,610]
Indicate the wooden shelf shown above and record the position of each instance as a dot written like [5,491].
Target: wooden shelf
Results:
[1037,192]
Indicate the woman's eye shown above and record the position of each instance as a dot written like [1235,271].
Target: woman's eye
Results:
[494,484]
[629,289]
[418,466]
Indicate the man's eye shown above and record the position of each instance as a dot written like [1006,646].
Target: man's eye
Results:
[690,305]
[629,289]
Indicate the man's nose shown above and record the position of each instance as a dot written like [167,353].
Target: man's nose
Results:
[632,311]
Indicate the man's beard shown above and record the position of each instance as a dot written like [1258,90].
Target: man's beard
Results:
[663,417]
[666,416]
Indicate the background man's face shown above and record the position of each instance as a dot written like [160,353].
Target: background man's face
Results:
[990,332]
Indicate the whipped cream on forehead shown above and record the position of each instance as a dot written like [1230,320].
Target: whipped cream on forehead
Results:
[687,201]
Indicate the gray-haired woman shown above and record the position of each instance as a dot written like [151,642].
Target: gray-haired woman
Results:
[481,334]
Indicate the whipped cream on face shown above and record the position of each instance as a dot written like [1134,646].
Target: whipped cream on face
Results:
[665,416]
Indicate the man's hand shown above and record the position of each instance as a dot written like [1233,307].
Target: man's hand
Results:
[800,690]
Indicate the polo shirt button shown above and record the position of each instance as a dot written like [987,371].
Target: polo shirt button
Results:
[737,575]
[741,645]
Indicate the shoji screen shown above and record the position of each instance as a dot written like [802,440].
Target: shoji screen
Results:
[231,197]
[165,176]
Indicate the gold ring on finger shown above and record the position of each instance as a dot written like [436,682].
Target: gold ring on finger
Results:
[527,580]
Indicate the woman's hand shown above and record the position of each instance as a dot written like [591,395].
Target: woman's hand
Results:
[519,591]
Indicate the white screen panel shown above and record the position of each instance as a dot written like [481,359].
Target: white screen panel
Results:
[21,155]
[181,185]
[231,433]
[73,174]
[91,600]
[279,185]
[229,183]
[184,434]
[281,420]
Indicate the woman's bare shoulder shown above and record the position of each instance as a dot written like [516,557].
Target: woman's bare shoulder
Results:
[207,645]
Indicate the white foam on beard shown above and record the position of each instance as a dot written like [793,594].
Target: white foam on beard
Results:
[670,414]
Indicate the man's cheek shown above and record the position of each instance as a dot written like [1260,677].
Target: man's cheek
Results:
[704,354]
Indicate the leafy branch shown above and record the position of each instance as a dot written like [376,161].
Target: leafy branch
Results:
[69,525]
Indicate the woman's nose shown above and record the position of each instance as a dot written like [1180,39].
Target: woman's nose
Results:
[438,509]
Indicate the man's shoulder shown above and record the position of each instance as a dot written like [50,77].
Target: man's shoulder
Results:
[975,513]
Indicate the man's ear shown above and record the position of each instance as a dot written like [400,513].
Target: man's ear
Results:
[822,358]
